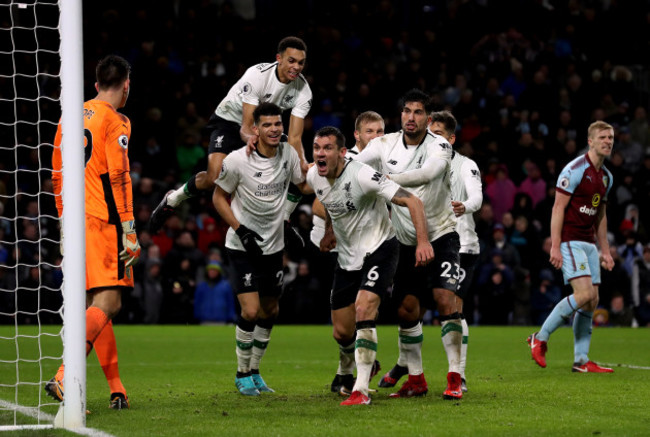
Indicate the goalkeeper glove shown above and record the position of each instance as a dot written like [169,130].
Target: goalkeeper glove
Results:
[131,251]
[292,238]
[248,237]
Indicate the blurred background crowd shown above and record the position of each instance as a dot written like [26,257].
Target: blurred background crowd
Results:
[523,89]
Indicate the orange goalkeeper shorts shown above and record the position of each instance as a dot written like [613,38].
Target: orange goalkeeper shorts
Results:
[103,266]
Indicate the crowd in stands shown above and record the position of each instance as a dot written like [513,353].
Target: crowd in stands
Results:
[524,92]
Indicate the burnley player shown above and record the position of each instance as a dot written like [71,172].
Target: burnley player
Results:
[578,213]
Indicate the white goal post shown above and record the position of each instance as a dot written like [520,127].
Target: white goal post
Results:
[29,31]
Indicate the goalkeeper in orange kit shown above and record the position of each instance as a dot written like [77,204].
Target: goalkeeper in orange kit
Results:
[112,246]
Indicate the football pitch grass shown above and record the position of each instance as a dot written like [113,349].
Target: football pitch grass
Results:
[180,381]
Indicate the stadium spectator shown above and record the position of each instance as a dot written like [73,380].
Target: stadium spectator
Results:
[300,298]
[545,294]
[620,314]
[149,291]
[641,288]
[495,299]
[213,300]
[501,192]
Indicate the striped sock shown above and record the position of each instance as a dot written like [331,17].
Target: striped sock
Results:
[411,346]
[365,353]
[261,337]
[452,337]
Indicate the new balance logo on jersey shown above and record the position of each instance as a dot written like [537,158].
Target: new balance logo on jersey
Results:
[257,174]
[350,206]
[392,162]
[475,172]
[589,211]
[267,97]
[288,99]
[370,283]
[377,176]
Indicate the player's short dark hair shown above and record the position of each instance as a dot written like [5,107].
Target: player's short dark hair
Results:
[333,131]
[367,117]
[266,108]
[447,119]
[416,95]
[292,42]
[112,71]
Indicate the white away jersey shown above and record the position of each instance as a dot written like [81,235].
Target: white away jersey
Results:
[260,84]
[466,187]
[390,154]
[318,224]
[259,186]
[356,203]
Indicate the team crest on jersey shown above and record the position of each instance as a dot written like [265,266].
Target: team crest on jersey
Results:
[123,141]
[564,183]
[267,97]
[605,180]
[347,188]
[248,279]
[218,142]
[595,201]
[392,162]
[582,266]
[224,170]
[319,192]
[246,88]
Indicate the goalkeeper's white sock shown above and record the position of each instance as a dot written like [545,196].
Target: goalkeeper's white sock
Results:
[411,347]
[452,337]
[365,353]
[244,340]
[261,337]
[346,358]
[463,347]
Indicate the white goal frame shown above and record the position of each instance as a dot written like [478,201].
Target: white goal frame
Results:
[72,412]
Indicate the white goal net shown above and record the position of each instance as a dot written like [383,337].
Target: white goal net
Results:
[31,279]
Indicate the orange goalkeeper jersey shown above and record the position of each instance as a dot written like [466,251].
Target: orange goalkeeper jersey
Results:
[109,195]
